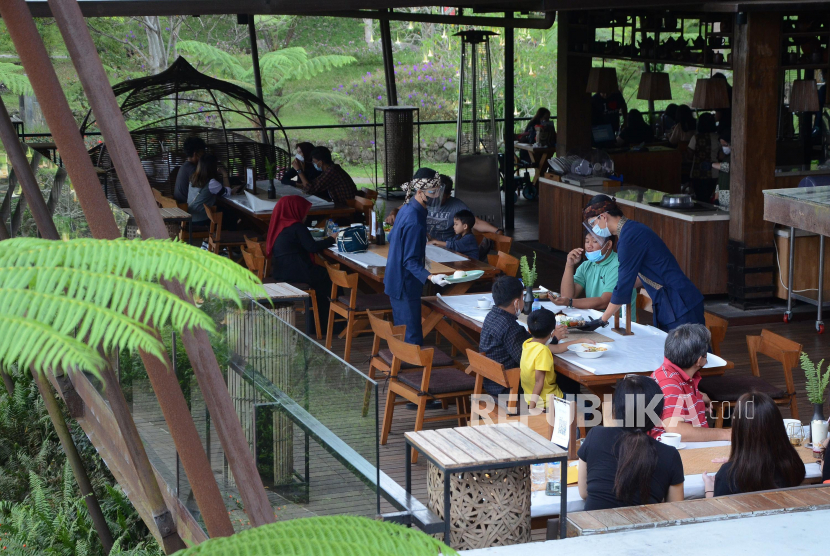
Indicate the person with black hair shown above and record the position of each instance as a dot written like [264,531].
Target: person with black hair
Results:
[761,456]
[668,119]
[622,465]
[194,148]
[302,161]
[542,117]
[333,182]
[464,241]
[704,148]
[685,128]
[539,380]
[209,182]
[645,261]
[608,109]
[636,131]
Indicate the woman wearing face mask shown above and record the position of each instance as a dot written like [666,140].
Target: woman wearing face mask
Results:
[596,277]
[722,192]
[405,273]
[644,260]
[301,163]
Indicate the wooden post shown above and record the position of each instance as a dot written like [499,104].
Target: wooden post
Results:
[754,122]
[573,104]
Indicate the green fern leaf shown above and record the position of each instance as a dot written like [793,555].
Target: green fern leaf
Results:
[214,58]
[333,535]
[28,343]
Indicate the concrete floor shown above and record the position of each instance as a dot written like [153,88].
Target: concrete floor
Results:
[795,533]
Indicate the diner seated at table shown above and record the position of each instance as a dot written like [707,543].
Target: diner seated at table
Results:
[464,241]
[636,130]
[302,158]
[502,337]
[685,128]
[684,410]
[440,221]
[538,377]
[621,465]
[668,119]
[596,277]
[292,247]
[542,117]
[208,183]
[761,456]
[704,149]
[333,182]
[194,149]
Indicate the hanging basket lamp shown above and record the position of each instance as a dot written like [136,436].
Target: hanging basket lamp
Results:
[602,80]
[804,96]
[654,86]
[710,94]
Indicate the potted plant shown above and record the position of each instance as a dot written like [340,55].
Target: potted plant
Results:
[271,171]
[816,385]
[528,279]
[380,213]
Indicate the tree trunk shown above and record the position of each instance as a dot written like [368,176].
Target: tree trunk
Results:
[368,28]
[155,44]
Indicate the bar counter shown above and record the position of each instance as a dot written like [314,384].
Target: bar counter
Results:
[698,239]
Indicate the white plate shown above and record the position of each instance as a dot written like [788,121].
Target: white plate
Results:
[682,445]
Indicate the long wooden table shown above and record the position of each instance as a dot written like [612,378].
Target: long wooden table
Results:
[261,219]
[597,384]
[431,320]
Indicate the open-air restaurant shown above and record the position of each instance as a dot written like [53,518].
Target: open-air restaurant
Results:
[553,319]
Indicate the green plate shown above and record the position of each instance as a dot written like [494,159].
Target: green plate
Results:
[471,275]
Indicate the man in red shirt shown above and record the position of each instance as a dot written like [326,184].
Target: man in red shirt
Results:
[684,405]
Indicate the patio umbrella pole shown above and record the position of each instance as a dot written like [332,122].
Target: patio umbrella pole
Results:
[85,57]
[47,87]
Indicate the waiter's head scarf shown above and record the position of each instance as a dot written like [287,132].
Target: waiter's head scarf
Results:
[417,184]
[597,205]
[288,210]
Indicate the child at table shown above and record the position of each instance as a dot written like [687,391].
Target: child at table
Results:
[537,374]
[464,241]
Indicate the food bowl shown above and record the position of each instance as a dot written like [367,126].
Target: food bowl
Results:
[677,200]
[589,351]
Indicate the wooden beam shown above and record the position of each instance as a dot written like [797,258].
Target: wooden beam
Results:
[573,104]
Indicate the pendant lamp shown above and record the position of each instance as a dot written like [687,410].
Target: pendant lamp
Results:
[654,86]
[602,80]
[710,94]
[804,96]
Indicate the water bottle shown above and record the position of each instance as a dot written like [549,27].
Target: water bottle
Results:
[537,474]
[536,304]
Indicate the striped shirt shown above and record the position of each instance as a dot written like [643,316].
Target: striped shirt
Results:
[681,397]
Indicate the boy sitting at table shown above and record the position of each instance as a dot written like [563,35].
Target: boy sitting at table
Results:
[537,375]
[596,277]
[464,241]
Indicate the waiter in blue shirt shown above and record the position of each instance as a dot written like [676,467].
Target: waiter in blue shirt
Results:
[405,272]
[644,261]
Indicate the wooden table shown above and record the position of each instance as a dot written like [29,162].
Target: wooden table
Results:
[538,156]
[261,219]
[281,292]
[49,149]
[597,384]
[373,277]
[487,447]
[171,217]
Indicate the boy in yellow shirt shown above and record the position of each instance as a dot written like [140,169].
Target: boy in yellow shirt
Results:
[537,374]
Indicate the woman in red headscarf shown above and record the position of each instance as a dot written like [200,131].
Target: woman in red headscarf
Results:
[291,248]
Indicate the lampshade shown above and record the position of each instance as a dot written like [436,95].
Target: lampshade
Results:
[602,80]
[654,86]
[710,94]
[804,96]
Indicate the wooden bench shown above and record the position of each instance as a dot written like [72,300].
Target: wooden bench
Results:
[797,499]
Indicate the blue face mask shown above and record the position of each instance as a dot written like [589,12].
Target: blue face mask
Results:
[317,167]
[594,256]
[601,232]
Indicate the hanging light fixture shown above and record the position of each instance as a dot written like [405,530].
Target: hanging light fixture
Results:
[710,94]
[654,86]
[804,96]
[602,80]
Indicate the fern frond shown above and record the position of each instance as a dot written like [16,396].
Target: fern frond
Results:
[17,83]
[94,324]
[146,260]
[146,302]
[816,383]
[216,59]
[30,343]
[320,64]
[325,535]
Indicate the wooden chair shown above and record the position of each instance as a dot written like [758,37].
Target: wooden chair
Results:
[352,307]
[725,390]
[363,205]
[260,265]
[164,202]
[498,241]
[369,193]
[218,239]
[717,327]
[483,367]
[644,304]
[381,363]
[508,264]
[421,384]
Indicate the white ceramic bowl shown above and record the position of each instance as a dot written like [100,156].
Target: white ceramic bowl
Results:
[580,350]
